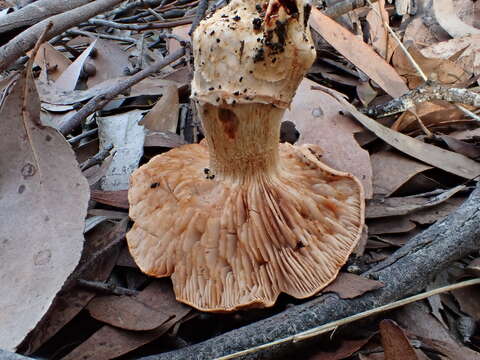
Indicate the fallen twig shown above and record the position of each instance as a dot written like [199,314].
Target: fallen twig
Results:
[97,158]
[26,40]
[140,27]
[99,101]
[199,15]
[101,35]
[33,13]
[107,288]
[304,335]
[411,269]
[426,92]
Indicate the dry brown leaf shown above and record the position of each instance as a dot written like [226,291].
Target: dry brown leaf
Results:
[347,348]
[349,286]
[422,34]
[392,225]
[382,41]
[441,70]
[366,93]
[113,198]
[470,150]
[55,119]
[430,215]
[69,303]
[44,204]
[52,62]
[359,53]
[182,33]
[110,61]
[395,343]
[469,300]
[67,81]
[110,342]
[164,114]
[163,139]
[139,313]
[431,113]
[416,319]
[182,76]
[317,118]
[391,170]
[474,267]
[469,60]
[378,208]
[52,95]
[443,159]
[448,19]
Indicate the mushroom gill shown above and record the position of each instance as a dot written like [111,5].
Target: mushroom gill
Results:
[240,218]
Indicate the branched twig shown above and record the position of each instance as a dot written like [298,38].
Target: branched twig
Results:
[26,40]
[426,92]
[99,101]
[34,13]
[97,158]
[83,135]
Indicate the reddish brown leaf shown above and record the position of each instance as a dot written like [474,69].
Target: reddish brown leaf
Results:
[110,342]
[395,343]
[347,348]
[416,319]
[140,312]
[469,300]
[349,286]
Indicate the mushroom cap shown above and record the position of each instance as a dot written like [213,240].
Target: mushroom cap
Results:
[229,245]
[252,52]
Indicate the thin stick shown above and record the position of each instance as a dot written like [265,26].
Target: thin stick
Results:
[26,40]
[99,101]
[334,324]
[107,288]
[199,15]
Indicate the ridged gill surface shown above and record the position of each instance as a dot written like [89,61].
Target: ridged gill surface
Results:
[233,245]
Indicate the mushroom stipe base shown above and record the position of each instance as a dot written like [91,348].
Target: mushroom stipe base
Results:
[234,244]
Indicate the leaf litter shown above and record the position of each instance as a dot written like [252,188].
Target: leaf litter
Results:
[415,165]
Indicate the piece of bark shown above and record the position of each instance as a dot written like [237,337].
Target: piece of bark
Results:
[403,274]
[26,40]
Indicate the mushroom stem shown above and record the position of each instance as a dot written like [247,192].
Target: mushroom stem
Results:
[242,140]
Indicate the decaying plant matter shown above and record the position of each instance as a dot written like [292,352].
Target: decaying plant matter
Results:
[244,218]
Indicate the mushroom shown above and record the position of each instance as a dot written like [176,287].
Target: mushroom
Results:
[239,218]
